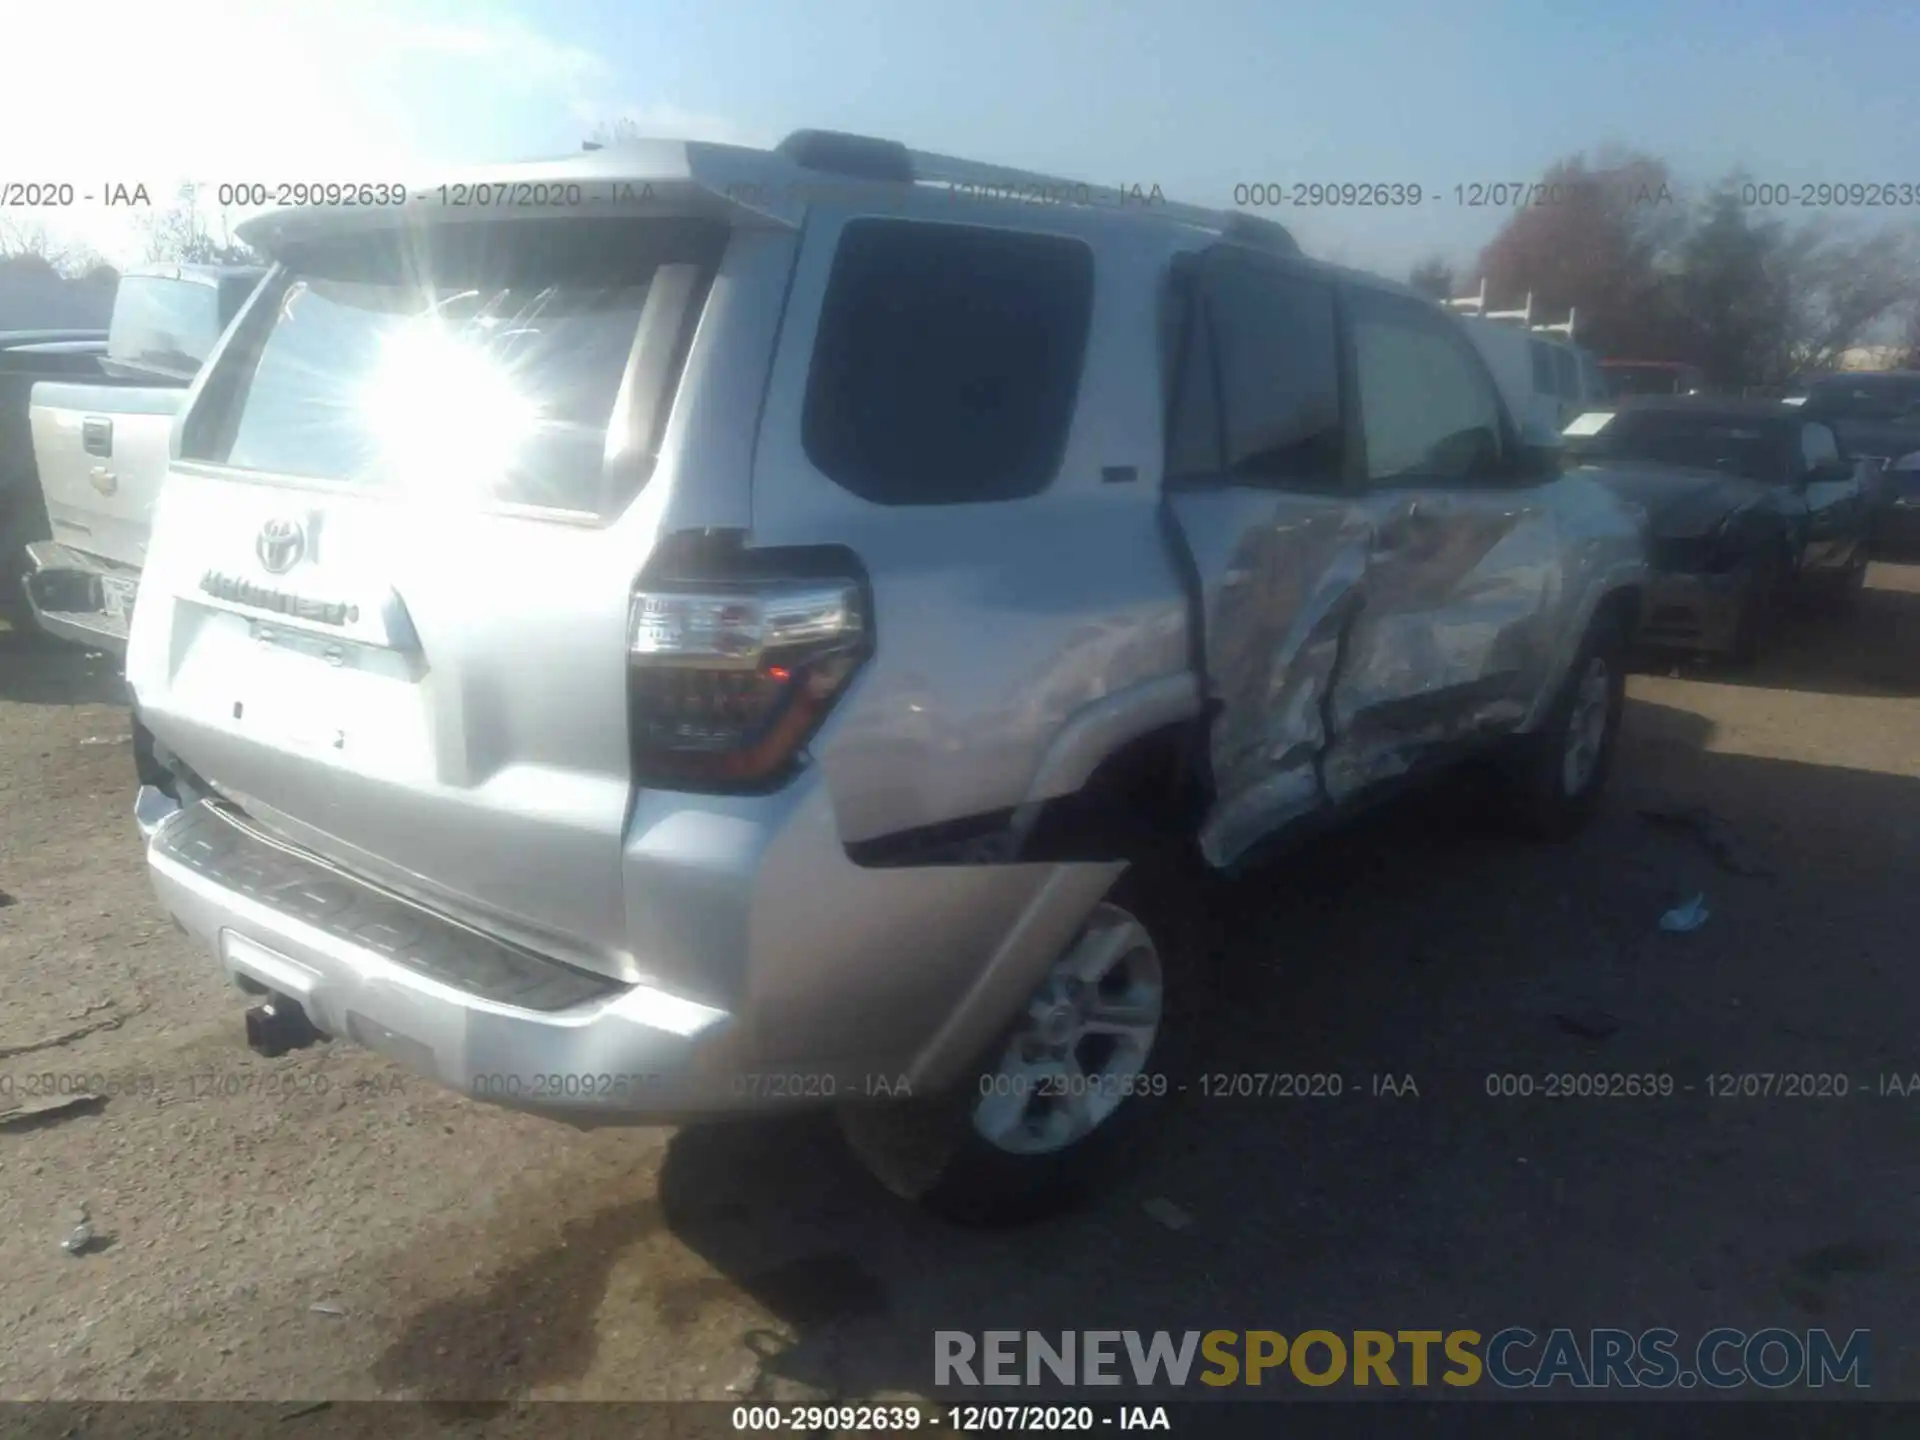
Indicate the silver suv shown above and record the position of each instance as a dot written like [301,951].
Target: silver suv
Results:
[682,630]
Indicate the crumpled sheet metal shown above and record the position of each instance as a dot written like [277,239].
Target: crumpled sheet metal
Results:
[1348,638]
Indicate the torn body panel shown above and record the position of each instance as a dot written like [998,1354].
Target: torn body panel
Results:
[1281,577]
[1454,635]
[1352,641]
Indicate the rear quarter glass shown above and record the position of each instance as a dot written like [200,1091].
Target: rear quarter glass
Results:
[947,362]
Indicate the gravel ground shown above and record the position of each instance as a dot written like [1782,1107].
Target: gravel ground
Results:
[324,1225]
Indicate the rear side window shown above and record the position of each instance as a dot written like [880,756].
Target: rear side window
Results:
[1566,372]
[1543,379]
[163,324]
[1595,383]
[478,363]
[947,362]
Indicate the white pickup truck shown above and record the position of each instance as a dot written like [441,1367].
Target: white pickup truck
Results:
[101,450]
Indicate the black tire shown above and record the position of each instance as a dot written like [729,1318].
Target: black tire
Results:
[1544,801]
[930,1152]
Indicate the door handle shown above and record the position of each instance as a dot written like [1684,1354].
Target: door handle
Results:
[104,480]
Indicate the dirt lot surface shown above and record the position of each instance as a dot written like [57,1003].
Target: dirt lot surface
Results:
[324,1225]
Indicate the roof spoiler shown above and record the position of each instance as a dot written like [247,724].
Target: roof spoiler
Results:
[866,157]
[635,179]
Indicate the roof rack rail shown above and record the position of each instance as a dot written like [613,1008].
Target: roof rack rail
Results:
[869,158]
[1477,305]
[1471,304]
[1524,314]
[1565,327]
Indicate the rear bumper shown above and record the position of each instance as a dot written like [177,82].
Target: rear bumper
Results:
[505,1025]
[65,589]
[1683,611]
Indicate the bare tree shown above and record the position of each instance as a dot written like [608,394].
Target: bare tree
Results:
[25,246]
[617,131]
[180,233]
[1434,278]
[1841,287]
[1910,340]
[1600,240]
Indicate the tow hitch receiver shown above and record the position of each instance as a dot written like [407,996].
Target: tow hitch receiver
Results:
[278,1025]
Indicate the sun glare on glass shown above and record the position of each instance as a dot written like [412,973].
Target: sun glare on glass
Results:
[443,416]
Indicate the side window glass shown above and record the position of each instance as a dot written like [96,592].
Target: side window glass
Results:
[1566,372]
[1275,343]
[1428,411]
[1818,447]
[947,362]
[1543,381]
[1595,385]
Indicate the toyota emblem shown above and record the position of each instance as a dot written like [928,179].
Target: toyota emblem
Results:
[281,545]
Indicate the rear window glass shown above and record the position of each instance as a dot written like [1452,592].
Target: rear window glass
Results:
[483,364]
[164,324]
[947,361]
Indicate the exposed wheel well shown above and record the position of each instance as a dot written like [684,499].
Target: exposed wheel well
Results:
[1148,796]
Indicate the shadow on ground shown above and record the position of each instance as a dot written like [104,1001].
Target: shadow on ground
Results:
[1869,647]
[36,670]
[1427,947]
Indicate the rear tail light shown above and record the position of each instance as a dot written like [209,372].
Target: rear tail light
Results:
[729,680]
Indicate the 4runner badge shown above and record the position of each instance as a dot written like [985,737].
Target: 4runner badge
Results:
[281,545]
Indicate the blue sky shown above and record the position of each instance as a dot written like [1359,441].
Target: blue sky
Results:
[1195,96]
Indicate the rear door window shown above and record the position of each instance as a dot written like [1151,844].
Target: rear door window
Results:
[482,363]
[947,361]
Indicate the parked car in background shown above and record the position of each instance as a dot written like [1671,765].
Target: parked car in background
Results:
[100,447]
[26,358]
[1545,378]
[1749,501]
[1877,419]
[1896,525]
[712,648]
[1652,377]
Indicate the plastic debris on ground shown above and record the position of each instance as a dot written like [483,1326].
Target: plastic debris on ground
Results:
[1685,919]
[80,1239]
